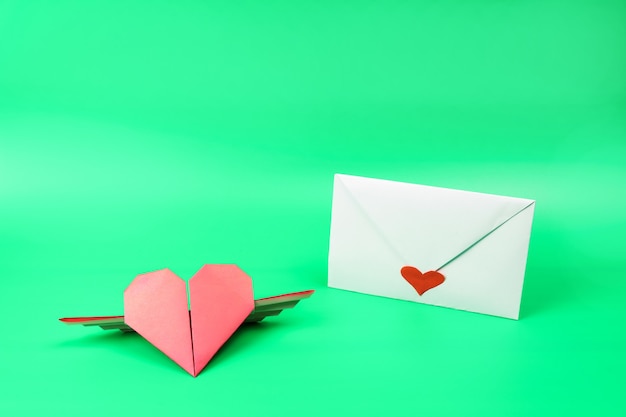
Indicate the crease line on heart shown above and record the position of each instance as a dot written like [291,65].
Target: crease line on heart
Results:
[193,352]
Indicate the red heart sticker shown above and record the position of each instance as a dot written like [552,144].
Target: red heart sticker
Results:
[422,282]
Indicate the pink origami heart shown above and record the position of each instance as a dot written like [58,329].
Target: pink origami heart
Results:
[220,299]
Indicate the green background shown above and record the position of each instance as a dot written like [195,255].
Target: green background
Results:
[138,135]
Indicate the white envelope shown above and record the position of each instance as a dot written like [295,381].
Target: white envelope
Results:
[382,232]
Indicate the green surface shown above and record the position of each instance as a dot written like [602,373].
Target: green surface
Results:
[137,135]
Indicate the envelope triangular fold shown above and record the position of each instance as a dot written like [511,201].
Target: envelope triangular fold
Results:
[380,226]
[427,225]
[490,277]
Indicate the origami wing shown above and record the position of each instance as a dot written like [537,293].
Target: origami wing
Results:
[263,307]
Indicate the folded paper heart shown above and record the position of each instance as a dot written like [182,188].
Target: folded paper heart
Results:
[422,282]
[220,300]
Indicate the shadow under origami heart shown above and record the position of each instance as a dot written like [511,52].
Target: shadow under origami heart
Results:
[132,345]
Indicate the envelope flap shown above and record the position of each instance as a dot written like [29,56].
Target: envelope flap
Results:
[427,227]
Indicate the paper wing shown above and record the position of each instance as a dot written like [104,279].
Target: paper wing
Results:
[263,307]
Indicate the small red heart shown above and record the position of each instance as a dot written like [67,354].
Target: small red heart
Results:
[422,282]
